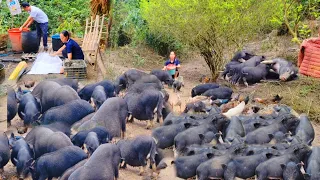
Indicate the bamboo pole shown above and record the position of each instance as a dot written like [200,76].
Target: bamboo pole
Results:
[93,38]
[89,35]
[101,27]
[101,65]
[85,34]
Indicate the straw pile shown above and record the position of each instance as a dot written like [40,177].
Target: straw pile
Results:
[100,7]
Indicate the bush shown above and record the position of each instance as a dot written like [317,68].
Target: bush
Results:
[130,28]
[162,45]
[128,25]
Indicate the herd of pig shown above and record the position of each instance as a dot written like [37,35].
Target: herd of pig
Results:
[211,139]
[268,146]
[247,68]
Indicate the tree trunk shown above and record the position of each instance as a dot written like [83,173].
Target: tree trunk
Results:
[213,60]
[211,48]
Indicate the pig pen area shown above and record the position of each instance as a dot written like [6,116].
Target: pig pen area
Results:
[133,129]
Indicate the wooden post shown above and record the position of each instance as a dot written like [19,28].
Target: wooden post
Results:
[101,65]
[89,35]
[85,34]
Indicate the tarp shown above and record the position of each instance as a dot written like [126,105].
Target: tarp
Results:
[309,58]
[46,64]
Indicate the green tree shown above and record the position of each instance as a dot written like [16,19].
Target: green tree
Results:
[212,26]
[295,12]
[128,25]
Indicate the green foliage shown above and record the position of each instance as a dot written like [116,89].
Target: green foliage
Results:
[304,31]
[7,21]
[138,60]
[295,13]
[163,45]
[62,14]
[128,25]
[130,28]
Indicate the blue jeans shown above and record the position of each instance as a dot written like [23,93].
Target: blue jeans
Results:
[42,30]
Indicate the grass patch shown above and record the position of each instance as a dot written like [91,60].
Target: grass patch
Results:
[111,74]
[302,95]
[138,57]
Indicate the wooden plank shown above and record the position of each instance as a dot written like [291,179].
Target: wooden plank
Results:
[96,55]
[86,43]
[87,22]
[101,27]
[85,34]
[101,65]
[95,33]
[90,35]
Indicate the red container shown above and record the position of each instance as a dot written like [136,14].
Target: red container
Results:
[15,38]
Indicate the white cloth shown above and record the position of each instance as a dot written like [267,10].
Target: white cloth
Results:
[46,64]
[38,15]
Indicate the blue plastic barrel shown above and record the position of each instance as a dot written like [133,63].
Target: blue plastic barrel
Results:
[56,42]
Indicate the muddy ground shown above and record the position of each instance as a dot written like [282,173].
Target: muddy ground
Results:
[116,64]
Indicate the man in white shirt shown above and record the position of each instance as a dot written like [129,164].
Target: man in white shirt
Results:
[41,18]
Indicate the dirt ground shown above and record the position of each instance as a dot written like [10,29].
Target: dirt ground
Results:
[191,71]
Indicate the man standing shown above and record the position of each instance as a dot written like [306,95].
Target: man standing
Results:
[41,18]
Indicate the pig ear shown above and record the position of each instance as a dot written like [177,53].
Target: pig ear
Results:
[12,136]
[19,93]
[269,155]
[249,153]
[23,115]
[288,134]
[271,136]
[15,160]
[30,146]
[284,121]
[214,120]
[210,155]
[191,153]
[283,166]
[256,125]
[29,162]
[274,147]
[187,125]
[299,165]
[218,135]
[37,115]
[90,149]
[201,136]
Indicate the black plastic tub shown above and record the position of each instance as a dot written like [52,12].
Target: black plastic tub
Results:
[56,42]
[30,42]
[2,72]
